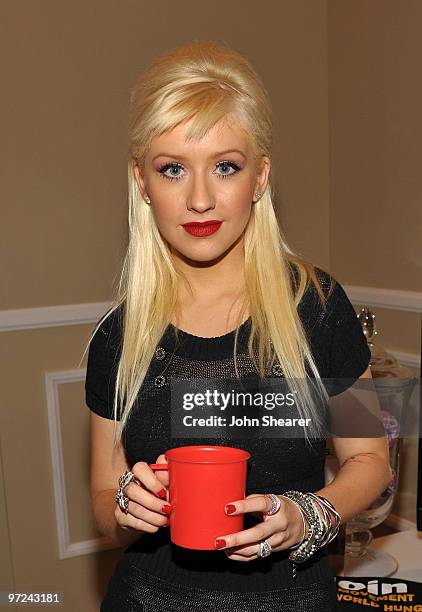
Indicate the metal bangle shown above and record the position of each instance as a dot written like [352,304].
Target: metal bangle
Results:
[316,527]
[334,517]
[304,525]
[326,502]
[322,528]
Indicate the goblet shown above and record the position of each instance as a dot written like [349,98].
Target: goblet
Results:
[361,560]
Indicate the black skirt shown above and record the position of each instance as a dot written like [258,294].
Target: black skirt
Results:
[130,589]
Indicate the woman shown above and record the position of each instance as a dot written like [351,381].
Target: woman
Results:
[210,289]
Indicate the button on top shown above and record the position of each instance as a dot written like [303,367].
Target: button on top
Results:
[160,381]
[160,353]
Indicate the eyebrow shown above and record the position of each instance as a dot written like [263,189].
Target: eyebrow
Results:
[220,154]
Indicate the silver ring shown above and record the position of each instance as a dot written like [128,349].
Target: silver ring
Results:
[121,498]
[275,504]
[264,549]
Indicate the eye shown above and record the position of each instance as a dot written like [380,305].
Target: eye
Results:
[170,171]
[227,164]
[172,167]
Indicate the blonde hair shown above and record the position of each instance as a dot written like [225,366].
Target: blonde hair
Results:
[207,81]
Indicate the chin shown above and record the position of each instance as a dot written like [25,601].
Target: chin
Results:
[201,255]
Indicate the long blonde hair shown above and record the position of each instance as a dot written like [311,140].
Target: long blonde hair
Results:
[207,81]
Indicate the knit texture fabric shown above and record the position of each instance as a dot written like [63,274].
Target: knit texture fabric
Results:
[276,465]
[134,590]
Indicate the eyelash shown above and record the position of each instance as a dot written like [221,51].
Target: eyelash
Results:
[166,166]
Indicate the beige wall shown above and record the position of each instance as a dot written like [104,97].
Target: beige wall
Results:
[68,71]
[375,97]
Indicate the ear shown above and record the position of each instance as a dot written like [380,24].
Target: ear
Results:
[138,177]
[263,173]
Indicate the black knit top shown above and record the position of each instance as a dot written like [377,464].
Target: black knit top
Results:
[276,465]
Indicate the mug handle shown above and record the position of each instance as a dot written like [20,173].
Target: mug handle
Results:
[158,466]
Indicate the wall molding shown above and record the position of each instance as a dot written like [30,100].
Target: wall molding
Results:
[66,547]
[52,316]
[407,359]
[394,299]
[88,314]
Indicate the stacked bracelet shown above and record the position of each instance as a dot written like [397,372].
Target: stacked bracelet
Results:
[333,522]
[323,525]
[304,527]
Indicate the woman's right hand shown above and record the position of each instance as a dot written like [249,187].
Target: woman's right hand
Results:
[146,510]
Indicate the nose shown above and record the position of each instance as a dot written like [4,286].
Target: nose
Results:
[200,198]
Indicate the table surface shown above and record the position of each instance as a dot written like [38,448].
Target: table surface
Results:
[406,548]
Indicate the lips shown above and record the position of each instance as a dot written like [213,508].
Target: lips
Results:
[201,229]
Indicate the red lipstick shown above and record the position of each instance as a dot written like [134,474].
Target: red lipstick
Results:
[201,229]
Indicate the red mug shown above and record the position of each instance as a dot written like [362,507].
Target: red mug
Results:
[202,480]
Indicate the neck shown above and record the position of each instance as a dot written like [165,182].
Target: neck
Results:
[212,280]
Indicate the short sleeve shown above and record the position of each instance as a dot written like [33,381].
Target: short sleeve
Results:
[349,354]
[102,364]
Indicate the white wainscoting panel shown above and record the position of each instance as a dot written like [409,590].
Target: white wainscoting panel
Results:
[66,547]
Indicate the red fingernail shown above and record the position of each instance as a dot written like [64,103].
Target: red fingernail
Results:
[220,543]
[230,508]
[166,508]
[168,522]
[162,493]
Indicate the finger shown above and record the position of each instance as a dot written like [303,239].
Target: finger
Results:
[131,521]
[245,555]
[242,551]
[254,534]
[251,503]
[148,479]
[162,475]
[141,498]
[250,552]
[159,519]
[264,504]
[240,557]
[257,514]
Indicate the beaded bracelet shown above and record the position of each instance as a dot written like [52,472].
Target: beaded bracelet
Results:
[304,525]
[311,543]
[316,529]
[322,526]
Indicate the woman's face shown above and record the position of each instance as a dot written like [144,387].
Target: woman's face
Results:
[214,179]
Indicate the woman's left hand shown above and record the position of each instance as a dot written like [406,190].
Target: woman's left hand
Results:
[282,529]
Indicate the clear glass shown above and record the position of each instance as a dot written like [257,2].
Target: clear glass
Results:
[360,560]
